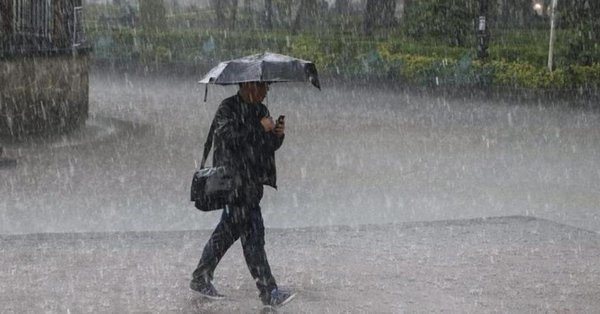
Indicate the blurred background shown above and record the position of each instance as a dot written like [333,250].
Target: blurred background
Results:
[422,42]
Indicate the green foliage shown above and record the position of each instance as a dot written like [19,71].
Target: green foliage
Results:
[423,48]
[583,49]
[585,76]
[129,45]
[435,71]
[426,57]
[466,72]
[153,15]
[529,55]
[584,18]
[450,21]
[94,11]
[339,55]
[526,75]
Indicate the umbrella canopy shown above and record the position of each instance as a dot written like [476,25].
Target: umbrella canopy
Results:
[265,67]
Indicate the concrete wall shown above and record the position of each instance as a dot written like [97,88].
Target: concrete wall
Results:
[43,94]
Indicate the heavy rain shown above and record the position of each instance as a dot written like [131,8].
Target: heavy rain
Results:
[449,161]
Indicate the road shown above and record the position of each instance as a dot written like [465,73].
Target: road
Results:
[506,265]
[353,155]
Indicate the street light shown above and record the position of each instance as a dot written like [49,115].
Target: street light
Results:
[538,8]
[483,35]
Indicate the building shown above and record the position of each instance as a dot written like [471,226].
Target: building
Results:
[44,64]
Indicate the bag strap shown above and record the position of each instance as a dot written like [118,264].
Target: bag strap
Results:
[208,144]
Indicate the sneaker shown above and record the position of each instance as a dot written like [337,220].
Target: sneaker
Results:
[206,289]
[279,297]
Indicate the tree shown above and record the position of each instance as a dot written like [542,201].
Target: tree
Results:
[6,17]
[446,20]
[269,14]
[233,13]
[308,12]
[583,17]
[379,13]
[153,15]
[284,12]
[342,7]
[60,31]
[175,6]
[217,5]
[514,12]
[226,13]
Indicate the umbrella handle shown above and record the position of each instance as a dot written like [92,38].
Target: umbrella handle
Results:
[205,91]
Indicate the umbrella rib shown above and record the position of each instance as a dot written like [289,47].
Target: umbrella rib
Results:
[262,63]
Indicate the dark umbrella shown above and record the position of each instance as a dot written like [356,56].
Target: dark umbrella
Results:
[265,67]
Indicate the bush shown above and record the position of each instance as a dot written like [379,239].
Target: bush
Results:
[466,72]
[530,54]
[585,76]
[584,18]
[429,49]
[438,71]
[337,55]
[400,59]
[525,75]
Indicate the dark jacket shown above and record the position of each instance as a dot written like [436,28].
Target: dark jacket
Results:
[241,143]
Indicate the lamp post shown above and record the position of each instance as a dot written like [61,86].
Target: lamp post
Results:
[483,35]
[552,35]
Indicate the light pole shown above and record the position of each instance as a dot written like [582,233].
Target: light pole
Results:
[552,35]
[483,35]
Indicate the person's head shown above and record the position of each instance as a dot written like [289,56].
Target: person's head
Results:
[254,92]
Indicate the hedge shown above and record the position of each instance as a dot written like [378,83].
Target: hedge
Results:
[403,60]
[466,72]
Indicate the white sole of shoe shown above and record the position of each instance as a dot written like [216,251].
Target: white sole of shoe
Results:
[210,297]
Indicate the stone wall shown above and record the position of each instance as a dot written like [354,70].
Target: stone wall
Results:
[41,94]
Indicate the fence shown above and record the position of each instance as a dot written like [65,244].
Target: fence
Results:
[40,25]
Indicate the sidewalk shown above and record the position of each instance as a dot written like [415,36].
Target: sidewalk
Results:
[507,264]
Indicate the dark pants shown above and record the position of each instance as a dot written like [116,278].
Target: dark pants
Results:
[240,221]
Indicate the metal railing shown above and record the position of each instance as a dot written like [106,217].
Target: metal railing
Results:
[30,26]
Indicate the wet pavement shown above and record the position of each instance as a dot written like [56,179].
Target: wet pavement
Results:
[506,264]
[379,208]
[352,155]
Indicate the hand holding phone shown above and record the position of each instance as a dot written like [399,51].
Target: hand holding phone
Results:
[280,126]
[267,124]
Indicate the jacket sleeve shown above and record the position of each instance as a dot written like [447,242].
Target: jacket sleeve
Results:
[275,142]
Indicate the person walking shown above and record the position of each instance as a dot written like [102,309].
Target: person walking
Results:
[245,141]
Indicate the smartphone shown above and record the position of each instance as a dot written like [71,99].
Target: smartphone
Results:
[281,119]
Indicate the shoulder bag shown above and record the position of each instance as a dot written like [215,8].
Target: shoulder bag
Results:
[213,187]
